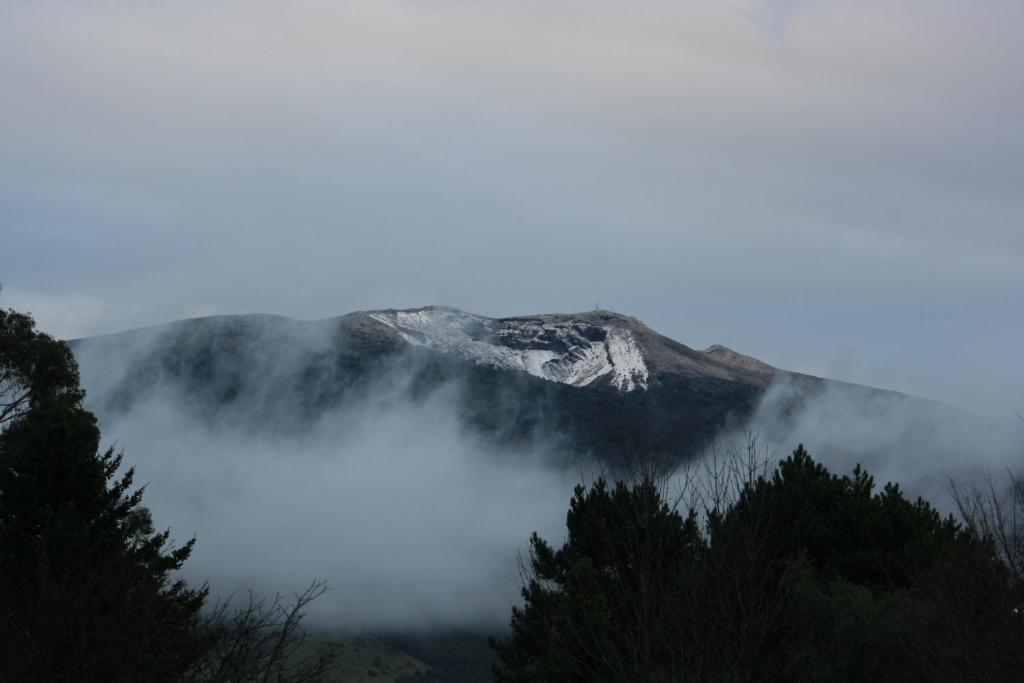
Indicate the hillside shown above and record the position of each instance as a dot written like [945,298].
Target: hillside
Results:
[597,383]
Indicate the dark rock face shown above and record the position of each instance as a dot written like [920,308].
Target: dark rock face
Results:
[534,335]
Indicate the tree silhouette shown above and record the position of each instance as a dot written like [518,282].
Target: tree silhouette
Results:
[86,587]
[789,574]
[88,590]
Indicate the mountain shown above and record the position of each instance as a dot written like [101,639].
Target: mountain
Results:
[596,349]
[597,383]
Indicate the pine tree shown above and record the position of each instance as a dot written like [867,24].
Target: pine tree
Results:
[606,606]
[86,588]
[799,574]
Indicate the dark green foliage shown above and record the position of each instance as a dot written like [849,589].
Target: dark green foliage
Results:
[839,523]
[87,587]
[600,607]
[32,364]
[85,581]
[803,575]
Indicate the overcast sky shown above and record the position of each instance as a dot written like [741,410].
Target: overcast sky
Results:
[836,187]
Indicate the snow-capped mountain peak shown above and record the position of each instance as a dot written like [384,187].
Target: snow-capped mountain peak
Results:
[567,349]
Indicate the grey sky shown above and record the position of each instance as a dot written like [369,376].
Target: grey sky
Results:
[833,186]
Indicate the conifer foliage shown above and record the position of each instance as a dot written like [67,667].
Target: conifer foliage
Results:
[88,587]
[85,580]
[796,574]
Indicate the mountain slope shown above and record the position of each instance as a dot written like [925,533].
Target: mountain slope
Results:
[580,349]
[597,383]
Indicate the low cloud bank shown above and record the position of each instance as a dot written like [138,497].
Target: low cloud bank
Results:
[412,522]
[919,444]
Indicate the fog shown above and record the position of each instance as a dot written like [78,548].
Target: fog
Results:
[921,445]
[412,520]
[417,523]
[415,520]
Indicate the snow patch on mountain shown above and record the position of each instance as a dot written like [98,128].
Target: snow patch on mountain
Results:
[564,350]
[625,354]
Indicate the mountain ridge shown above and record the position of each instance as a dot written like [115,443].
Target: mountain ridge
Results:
[715,360]
[596,382]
